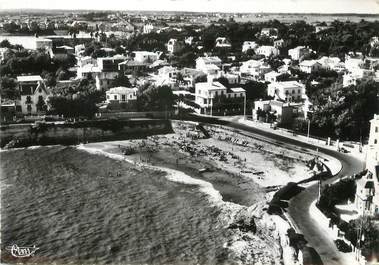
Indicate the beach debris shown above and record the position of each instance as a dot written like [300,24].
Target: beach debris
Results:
[128,150]
[245,224]
[203,170]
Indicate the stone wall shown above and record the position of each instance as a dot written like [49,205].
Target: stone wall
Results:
[21,135]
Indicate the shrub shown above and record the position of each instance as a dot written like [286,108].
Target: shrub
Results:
[342,246]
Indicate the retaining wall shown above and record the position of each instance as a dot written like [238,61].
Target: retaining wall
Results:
[21,135]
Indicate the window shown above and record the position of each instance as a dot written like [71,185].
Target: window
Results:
[107,96]
[28,100]
[29,108]
[376,129]
[375,141]
[293,91]
[123,97]
[205,101]
[115,97]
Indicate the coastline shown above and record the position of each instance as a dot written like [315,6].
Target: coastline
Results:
[230,186]
[184,172]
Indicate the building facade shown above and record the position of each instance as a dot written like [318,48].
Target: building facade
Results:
[288,91]
[121,95]
[33,93]
[367,194]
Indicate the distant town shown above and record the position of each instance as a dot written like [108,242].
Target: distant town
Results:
[311,76]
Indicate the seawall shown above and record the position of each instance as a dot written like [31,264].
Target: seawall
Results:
[22,135]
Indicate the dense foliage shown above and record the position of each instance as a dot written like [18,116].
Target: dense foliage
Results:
[346,111]
[337,193]
[151,98]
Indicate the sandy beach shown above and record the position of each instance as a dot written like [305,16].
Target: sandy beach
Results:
[238,174]
[202,200]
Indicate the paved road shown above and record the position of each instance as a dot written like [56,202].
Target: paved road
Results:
[299,205]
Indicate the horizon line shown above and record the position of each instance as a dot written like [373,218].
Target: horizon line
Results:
[185,11]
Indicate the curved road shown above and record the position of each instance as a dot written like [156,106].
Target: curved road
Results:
[299,205]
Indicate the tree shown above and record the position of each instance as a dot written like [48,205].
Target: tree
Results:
[153,98]
[255,90]
[121,80]
[41,105]
[9,88]
[83,105]
[347,109]
[5,44]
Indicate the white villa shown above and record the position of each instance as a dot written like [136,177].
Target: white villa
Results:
[353,63]
[289,91]
[309,66]
[357,74]
[173,45]
[267,51]
[329,63]
[145,56]
[254,68]
[272,76]
[249,45]
[298,52]
[282,111]
[222,42]
[32,90]
[121,94]
[167,75]
[103,79]
[209,65]
[205,93]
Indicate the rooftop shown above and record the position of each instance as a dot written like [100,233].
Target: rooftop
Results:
[133,63]
[144,52]
[212,67]
[122,90]
[65,47]
[89,68]
[29,78]
[288,84]
[210,59]
[273,73]
[298,48]
[237,90]
[308,62]
[211,86]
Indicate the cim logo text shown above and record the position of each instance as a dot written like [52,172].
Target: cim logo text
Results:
[22,252]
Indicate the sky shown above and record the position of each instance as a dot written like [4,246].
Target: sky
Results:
[272,6]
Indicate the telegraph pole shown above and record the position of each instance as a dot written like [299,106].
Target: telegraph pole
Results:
[211,105]
[309,127]
[244,106]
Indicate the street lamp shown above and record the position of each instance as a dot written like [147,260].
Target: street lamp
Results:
[309,127]
[244,106]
